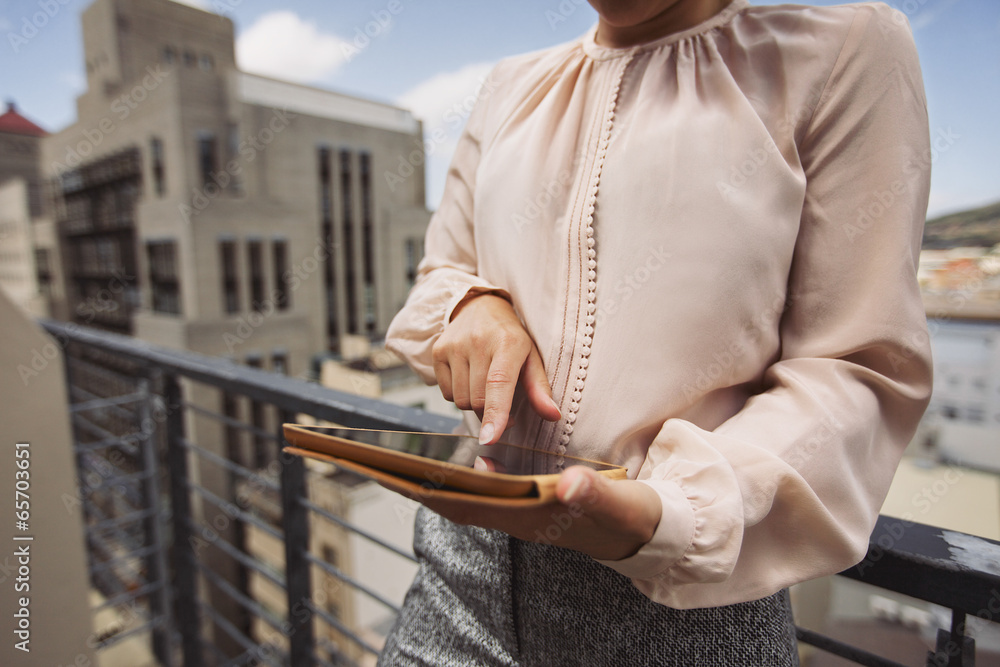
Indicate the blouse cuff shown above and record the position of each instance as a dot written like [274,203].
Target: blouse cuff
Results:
[672,539]
[473,291]
[415,329]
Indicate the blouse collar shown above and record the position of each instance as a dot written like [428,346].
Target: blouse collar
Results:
[600,52]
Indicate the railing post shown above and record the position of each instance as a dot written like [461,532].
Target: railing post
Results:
[184,565]
[156,565]
[953,648]
[295,520]
[83,492]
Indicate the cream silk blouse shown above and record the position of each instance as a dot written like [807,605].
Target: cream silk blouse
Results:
[713,240]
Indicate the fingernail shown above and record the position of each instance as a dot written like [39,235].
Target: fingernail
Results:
[486,433]
[576,487]
[480,464]
[555,407]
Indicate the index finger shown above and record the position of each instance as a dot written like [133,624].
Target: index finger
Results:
[501,380]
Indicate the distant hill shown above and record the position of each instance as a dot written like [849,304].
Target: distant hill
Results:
[975,227]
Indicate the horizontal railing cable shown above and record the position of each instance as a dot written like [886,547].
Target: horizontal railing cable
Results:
[246,473]
[256,431]
[130,595]
[846,651]
[249,561]
[125,634]
[97,403]
[337,573]
[233,511]
[235,634]
[340,627]
[240,598]
[333,518]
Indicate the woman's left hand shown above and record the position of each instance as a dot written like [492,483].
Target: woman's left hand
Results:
[604,518]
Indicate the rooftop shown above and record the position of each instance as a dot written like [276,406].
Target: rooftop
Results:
[255,89]
[13,122]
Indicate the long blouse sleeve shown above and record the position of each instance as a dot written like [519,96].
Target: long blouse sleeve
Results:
[755,350]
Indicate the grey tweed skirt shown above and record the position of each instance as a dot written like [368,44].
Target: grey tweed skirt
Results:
[484,598]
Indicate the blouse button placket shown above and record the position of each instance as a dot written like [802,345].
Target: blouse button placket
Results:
[590,319]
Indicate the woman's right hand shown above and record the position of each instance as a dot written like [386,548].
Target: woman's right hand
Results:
[479,359]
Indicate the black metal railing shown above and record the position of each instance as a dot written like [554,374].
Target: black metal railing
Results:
[173,554]
[199,530]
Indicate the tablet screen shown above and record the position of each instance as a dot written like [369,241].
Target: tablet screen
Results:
[461,450]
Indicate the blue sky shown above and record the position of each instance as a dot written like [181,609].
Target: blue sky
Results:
[429,55]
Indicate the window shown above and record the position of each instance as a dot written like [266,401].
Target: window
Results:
[367,240]
[325,169]
[43,270]
[233,149]
[370,307]
[207,158]
[169,55]
[279,362]
[414,250]
[206,62]
[282,296]
[367,225]
[107,253]
[230,277]
[189,59]
[163,280]
[325,185]
[255,262]
[156,151]
[347,223]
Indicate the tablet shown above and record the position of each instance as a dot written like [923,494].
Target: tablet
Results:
[440,462]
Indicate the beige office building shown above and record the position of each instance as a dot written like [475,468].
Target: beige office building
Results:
[204,208]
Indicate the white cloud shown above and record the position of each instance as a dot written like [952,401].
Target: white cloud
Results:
[76,81]
[282,45]
[924,17]
[443,103]
[432,99]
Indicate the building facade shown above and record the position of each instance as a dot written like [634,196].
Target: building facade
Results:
[204,208]
[24,273]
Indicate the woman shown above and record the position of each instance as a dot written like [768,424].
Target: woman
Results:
[685,243]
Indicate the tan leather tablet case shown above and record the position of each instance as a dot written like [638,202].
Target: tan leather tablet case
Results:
[423,479]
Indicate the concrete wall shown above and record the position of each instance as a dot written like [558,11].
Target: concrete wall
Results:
[33,396]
